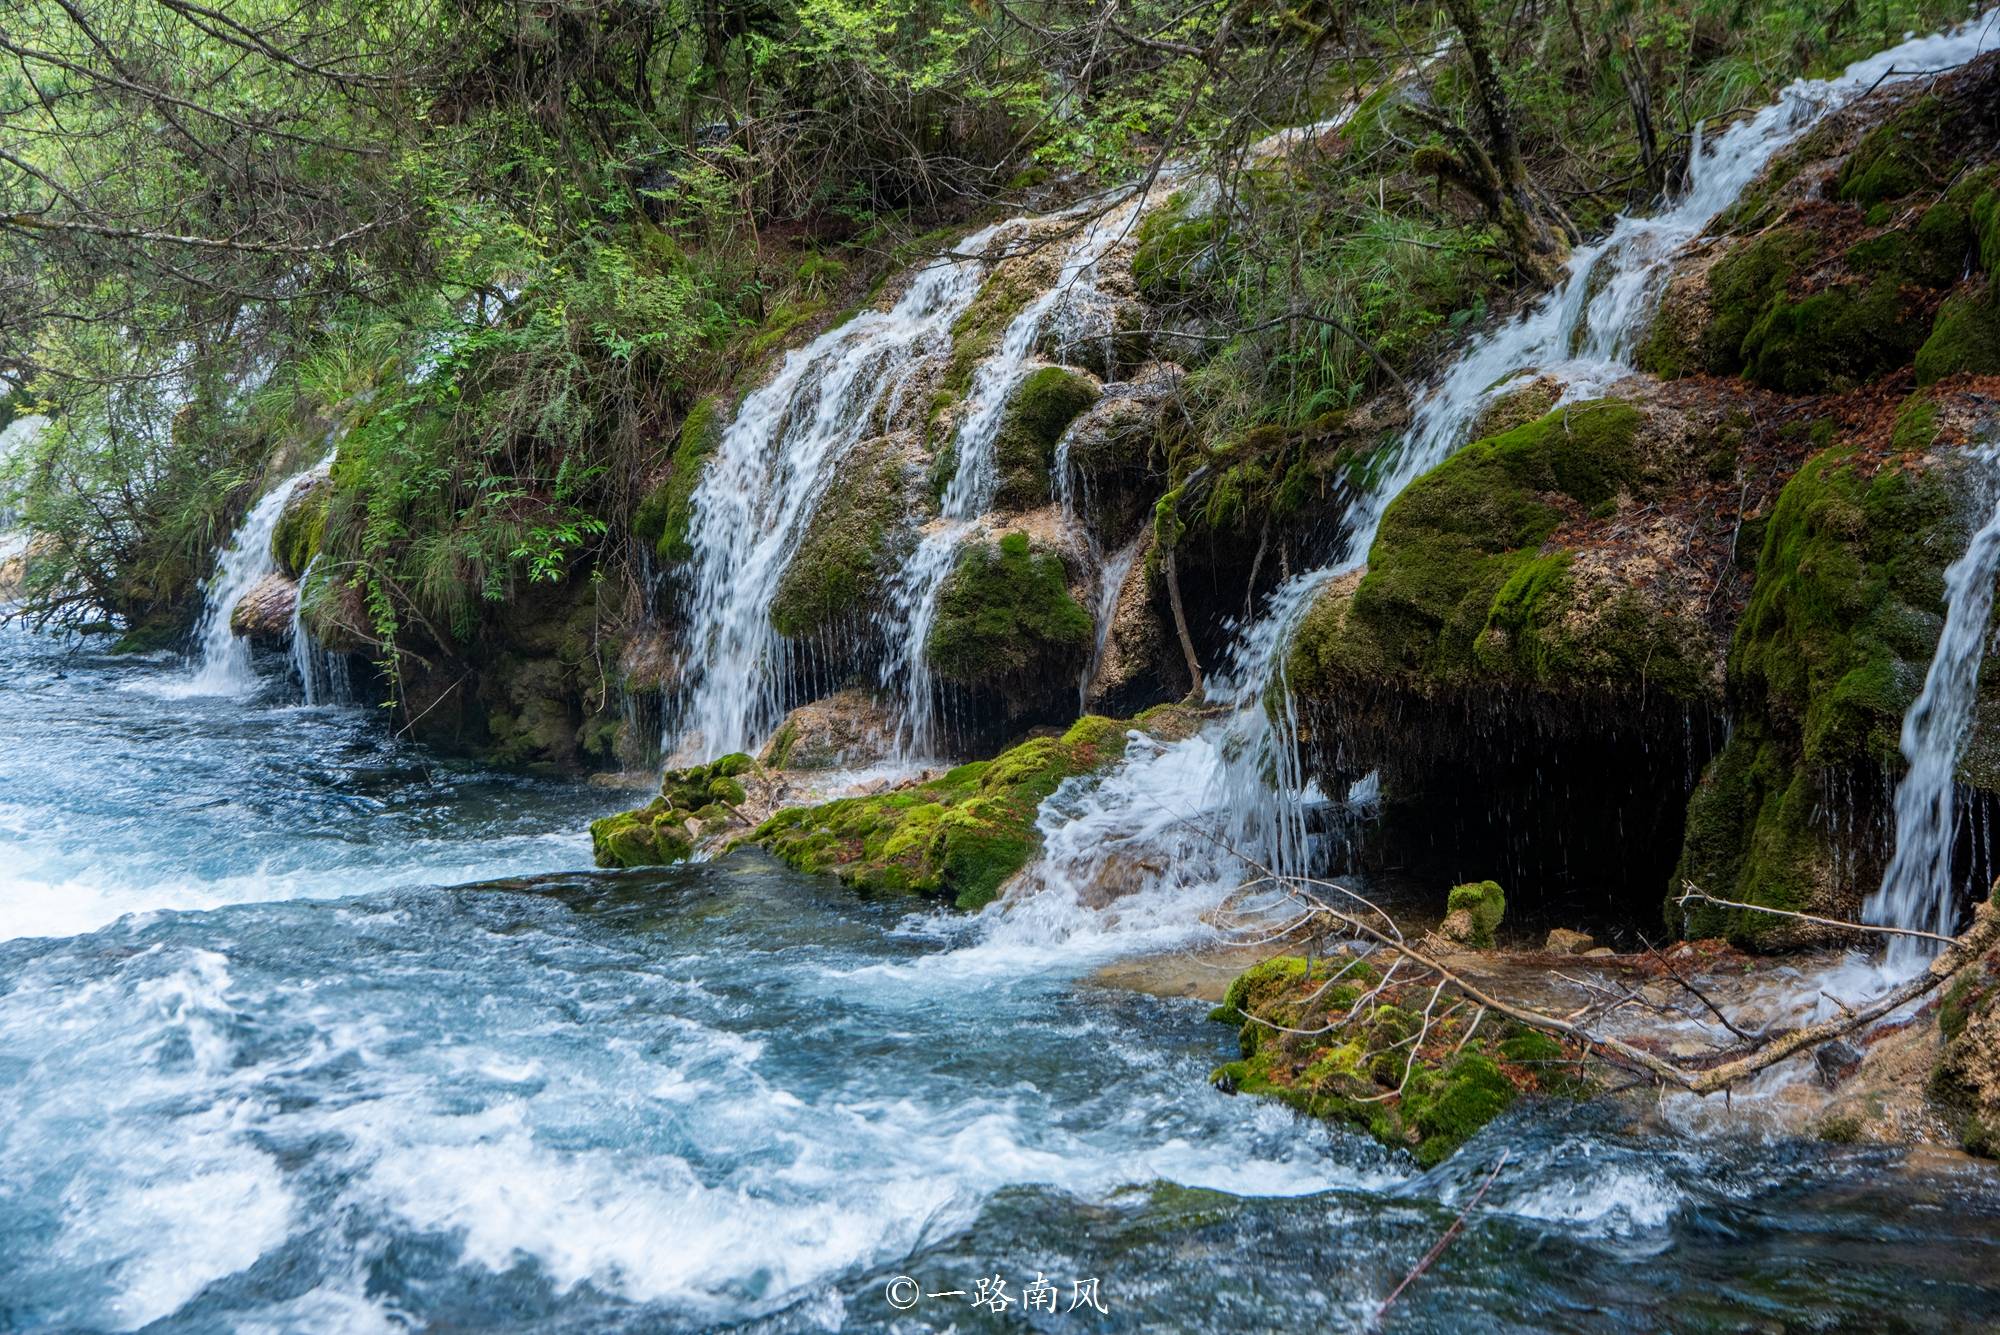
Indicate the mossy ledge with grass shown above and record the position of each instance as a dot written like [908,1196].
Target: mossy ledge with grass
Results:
[1422,1088]
[958,837]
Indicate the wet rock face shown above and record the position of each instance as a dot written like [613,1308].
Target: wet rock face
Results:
[851,729]
[1553,624]
[1007,623]
[1966,1079]
[265,613]
[862,531]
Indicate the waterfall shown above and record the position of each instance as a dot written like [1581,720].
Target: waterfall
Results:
[1237,786]
[1917,890]
[757,495]
[1111,575]
[323,676]
[912,608]
[222,664]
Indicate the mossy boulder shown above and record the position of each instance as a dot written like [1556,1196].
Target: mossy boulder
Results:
[854,542]
[1177,249]
[1464,585]
[694,803]
[302,526]
[958,837]
[1965,1081]
[1827,657]
[1329,1038]
[1473,912]
[1006,623]
[1039,411]
[666,513]
[1964,338]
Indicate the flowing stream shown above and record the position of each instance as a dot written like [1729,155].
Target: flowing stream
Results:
[257,1075]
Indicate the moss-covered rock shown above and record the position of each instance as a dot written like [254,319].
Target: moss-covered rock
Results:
[693,804]
[855,541]
[1463,585]
[1966,1079]
[1312,1036]
[663,517]
[1006,622]
[1828,655]
[1473,912]
[1964,338]
[301,526]
[1177,249]
[1041,409]
[958,837]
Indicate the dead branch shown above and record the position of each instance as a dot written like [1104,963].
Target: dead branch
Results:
[1457,1226]
[1689,891]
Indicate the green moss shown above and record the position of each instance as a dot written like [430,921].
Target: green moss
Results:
[1006,620]
[664,516]
[1485,902]
[1041,409]
[959,837]
[659,832]
[1460,591]
[1176,252]
[852,545]
[1831,340]
[1307,1039]
[1964,337]
[1911,150]
[301,528]
[1825,661]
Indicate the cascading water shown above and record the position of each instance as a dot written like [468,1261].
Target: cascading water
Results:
[1111,575]
[1917,890]
[912,609]
[773,465]
[323,676]
[1239,779]
[223,666]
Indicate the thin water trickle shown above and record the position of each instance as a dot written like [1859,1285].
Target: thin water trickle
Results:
[1918,890]
[323,675]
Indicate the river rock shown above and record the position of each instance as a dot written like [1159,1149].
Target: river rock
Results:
[849,729]
[1565,942]
[265,613]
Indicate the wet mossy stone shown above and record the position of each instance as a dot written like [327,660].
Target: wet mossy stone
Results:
[1006,621]
[1964,338]
[1459,590]
[1485,904]
[959,837]
[1332,1038]
[659,832]
[1176,251]
[1041,409]
[663,518]
[1829,653]
[853,543]
[301,526]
